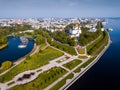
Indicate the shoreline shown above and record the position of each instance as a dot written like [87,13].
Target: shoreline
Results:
[18,61]
[83,71]
[3,46]
[23,58]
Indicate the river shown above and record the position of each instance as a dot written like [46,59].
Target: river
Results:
[12,52]
[105,74]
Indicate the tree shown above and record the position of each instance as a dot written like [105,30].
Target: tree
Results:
[3,40]
[40,40]
[6,65]
[71,41]
[99,25]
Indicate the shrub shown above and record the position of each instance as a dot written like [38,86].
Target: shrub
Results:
[6,65]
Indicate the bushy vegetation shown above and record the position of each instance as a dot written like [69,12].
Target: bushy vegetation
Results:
[37,60]
[40,40]
[95,47]
[70,65]
[64,38]
[44,79]
[62,82]
[64,47]
[44,33]
[6,65]
[14,28]
[86,36]
[3,40]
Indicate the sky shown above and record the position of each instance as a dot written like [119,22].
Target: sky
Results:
[59,8]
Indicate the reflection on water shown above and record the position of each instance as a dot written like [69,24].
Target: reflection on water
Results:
[13,52]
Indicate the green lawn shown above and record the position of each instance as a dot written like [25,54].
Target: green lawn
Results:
[44,80]
[93,44]
[62,82]
[37,60]
[81,51]
[70,65]
[93,49]
[64,47]
[84,65]
[43,46]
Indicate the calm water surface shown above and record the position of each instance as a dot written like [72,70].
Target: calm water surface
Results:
[12,52]
[105,74]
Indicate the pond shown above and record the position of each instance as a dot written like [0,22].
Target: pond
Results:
[12,52]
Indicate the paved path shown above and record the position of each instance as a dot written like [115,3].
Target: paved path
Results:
[43,69]
[68,84]
[93,41]
[69,72]
[52,63]
[36,48]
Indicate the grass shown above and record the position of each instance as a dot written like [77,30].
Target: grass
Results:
[96,47]
[43,46]
[84,65]
[44,80]
[62,82]
[81,51]
[93,44]
[37,60]
[70,65]
[64,47]
[82,57]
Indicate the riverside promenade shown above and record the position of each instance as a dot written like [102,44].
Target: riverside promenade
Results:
[84,70]
[58,62]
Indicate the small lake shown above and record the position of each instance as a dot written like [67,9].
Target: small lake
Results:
[12,52]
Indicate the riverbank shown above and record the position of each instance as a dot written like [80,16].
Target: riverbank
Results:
[15,63]
[3,46]
[84,70]
[34,50]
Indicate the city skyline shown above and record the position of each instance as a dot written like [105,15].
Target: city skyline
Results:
[59,8]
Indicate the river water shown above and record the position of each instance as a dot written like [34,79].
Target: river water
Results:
[12,52]
[105,74]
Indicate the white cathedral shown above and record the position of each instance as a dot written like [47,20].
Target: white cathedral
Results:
[75,31]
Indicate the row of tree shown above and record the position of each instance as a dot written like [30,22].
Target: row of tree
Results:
[63,37]
[86,36]
[15,28]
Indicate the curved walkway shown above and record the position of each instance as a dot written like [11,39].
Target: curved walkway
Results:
[53,63]
[35,49]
